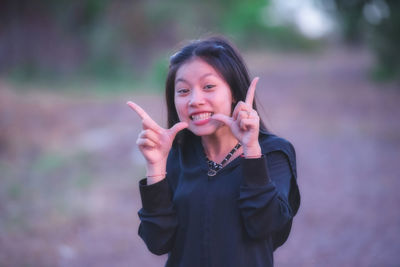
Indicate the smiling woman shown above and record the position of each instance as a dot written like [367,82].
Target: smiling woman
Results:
[220,189]
[201,92]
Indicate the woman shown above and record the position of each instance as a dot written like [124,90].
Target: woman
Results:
[220,190]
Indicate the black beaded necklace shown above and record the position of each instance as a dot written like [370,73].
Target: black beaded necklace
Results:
[214,167]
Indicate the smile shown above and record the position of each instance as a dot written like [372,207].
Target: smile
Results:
[201,116]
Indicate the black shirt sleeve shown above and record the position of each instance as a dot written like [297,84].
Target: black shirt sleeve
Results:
[264,193]
[280,172]
[157,215]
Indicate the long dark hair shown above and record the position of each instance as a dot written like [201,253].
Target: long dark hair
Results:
[224,58]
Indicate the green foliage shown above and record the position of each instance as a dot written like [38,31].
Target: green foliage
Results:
[109,40]
[242,18]
[158,73]
[381,32]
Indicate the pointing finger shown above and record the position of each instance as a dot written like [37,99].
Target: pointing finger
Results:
[147,120]
[251,91]
[142,114]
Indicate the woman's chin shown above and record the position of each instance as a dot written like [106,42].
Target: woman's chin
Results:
[203,130]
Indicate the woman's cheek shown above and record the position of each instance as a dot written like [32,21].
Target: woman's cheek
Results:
[180,110]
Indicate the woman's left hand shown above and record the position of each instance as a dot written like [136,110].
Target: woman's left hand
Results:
[245,123]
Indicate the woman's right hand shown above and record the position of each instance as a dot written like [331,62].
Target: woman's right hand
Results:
[155,142]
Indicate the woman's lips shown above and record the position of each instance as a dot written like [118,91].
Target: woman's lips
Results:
[201,118]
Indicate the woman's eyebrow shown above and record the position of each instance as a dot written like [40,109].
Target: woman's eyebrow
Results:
[180,80]
[201,78]
[206,75]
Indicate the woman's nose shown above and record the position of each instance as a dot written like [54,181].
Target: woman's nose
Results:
[196,98]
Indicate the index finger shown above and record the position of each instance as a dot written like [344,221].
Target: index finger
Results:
[142,114]
[251,92]
[145,117]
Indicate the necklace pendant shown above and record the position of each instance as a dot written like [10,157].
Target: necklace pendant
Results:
[211,173]
[215,167]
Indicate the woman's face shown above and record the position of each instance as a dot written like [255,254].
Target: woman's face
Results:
[200,92]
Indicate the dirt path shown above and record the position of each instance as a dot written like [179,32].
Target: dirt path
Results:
[70,197]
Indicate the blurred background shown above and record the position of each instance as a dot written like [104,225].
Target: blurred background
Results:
[69,167]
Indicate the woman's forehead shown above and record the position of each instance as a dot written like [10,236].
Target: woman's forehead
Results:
[195,68]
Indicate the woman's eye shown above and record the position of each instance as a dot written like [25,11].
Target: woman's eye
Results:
[182,91]
[209,86]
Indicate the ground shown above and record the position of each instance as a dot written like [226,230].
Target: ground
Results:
[69,166]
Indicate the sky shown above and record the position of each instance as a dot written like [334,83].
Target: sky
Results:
[304,14]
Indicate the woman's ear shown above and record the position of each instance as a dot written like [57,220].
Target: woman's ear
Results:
[233,105]
[234,101]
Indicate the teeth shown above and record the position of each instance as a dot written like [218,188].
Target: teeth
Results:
[201,116]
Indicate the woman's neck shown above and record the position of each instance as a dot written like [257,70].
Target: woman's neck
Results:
[219,144]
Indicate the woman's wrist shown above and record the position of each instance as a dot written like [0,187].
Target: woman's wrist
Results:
[155,172]
[152,179]
[252,152]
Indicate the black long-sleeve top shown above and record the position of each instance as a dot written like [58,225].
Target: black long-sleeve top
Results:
[235,218]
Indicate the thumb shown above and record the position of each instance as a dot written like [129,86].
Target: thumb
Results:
[176,128]
[223,118]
